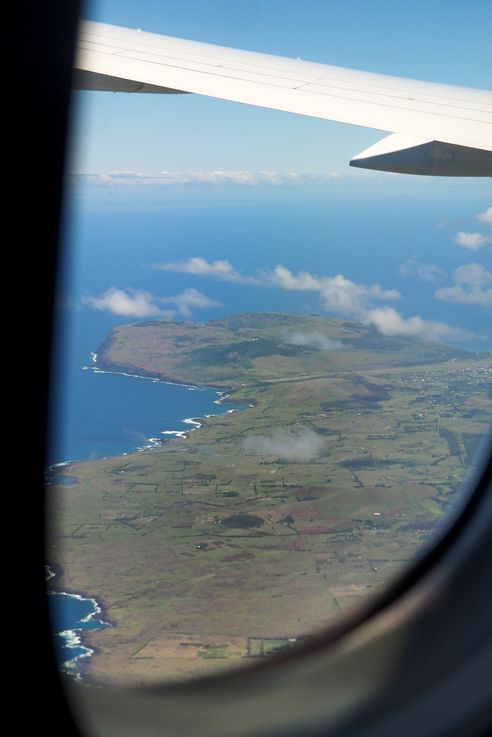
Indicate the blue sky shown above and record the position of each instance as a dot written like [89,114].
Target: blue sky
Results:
[442,41]
[137,152]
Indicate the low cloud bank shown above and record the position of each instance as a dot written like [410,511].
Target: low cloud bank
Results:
[485,217]
[389,322]
[137,303]
[425,272]
[337,294]
[472,285]
[289,445]
[132,303]
[315,339]
[221,269]
[214,177]
[472,241]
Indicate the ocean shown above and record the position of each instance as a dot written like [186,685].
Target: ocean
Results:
[114,239]
[115,414]
[72,614]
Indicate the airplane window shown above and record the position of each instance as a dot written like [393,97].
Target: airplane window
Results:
[273,372]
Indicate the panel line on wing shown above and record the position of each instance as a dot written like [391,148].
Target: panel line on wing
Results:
[307,87]
[208,59]
[453,115]
[235,72]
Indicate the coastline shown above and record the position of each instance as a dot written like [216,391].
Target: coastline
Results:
[79,640]
[102,364]
[56,571]
[76,637]
[225,394]
[98,366]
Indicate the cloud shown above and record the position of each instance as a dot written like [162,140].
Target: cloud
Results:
[298,446]
[315,339]
[472,285]
[485,217]
[425,272]
[135,303]
[389,322]
[242,177]
[128,304]
[188,300]
[474,274]
[338,294]
[472,241]
[222,270]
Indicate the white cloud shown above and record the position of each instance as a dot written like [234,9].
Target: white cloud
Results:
[472,285]
[472,241]
[302,282]
[301,446]
[426,272]
[221,269]
[485,217]
[134,303]
[128,304]
[188,300]
[243,177]
[315,339]
[389,322]
[473,274]
[338,294]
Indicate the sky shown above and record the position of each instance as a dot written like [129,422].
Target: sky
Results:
[444,41]
[148,151]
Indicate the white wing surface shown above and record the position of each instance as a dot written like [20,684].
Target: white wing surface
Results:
[435,129]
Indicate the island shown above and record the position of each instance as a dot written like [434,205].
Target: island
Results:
[245,537]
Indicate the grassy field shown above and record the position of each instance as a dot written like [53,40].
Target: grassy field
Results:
[267,523]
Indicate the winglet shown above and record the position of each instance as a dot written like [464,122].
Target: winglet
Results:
[406,155]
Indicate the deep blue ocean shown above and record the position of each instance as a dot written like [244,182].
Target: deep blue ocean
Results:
[113,237]
[112,414]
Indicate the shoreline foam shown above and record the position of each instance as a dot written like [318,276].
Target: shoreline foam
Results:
[154,378]
[73,637]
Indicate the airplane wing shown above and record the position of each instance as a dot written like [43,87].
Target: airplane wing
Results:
[434,129]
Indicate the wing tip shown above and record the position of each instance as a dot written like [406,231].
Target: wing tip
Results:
[405,155]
